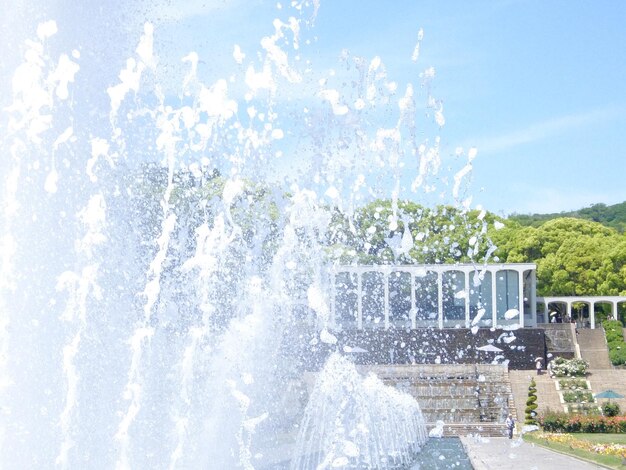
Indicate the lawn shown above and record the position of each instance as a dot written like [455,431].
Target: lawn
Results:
[602,438]
[568,446]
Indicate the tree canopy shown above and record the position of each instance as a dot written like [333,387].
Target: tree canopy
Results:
[573,256]
[377,234]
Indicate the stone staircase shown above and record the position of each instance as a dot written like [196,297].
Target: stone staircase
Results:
[469,399]
[593,348]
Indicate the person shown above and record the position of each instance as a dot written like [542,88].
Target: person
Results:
[510,425]
[538,366]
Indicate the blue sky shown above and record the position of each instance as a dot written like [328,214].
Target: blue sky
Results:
[538,87]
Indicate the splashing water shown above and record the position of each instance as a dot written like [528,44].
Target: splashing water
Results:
[159,241]
[356,422]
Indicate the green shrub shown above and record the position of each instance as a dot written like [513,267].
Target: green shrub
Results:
[530,415]
[617,355]
[553,421]
[613,330]
[610,409]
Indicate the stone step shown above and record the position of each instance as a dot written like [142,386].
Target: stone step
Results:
[593,348]
[463,429]
[452,371]
[451,390]
[458,394]
[464,412]
[591,338]
[597,359]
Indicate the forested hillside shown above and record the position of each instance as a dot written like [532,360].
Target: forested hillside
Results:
[612,216]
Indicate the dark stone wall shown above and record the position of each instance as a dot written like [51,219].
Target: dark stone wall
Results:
[425,346]
[560,339]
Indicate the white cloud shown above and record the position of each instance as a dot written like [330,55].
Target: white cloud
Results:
[543,130]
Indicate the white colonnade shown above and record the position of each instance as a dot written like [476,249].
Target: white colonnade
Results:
[438,295]
[591,302]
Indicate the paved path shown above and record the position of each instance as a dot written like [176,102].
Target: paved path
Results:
[497,453]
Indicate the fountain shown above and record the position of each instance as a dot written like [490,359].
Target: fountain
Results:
[357,423]
[158,243]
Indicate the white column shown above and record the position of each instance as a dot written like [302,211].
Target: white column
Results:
[413,306]
[467,298]
[494,298]
[359,308]
[440,298]
[520,296]
[386,287]
[615,311]
[333,298]
[533,296]
[592,314]
[569,309]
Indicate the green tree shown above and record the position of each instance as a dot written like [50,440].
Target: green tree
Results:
[614,265]
[573,256]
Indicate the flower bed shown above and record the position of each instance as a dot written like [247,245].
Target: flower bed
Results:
[563,422]
[577,396]
[618,450]
[573,384]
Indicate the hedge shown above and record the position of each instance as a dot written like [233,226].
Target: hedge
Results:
[615,341]
[563,422]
